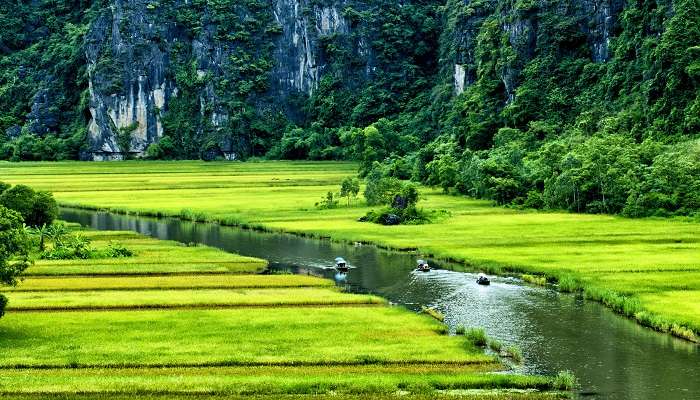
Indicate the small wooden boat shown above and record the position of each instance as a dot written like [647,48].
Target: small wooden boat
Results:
[341,265]
[483,280]
[423,266]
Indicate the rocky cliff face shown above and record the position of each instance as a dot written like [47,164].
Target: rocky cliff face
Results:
[230,64]
[127,67]
[130,48]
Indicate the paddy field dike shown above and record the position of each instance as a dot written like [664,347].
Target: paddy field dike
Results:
[177,320]
[646,269]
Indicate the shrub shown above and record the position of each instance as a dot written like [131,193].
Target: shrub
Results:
[77,246]
[495,345]
[328,202]
[565,380]
[515,353]
[568,283]
[3,304]
[476,336]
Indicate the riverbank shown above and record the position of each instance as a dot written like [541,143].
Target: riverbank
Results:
[634,266]
[191,320]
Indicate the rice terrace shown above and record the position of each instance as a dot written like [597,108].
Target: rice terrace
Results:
[174,318]
[326,199]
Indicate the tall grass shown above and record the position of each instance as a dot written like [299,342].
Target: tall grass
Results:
[565,380]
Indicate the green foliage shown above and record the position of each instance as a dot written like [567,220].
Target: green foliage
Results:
[544,120]
[399,197]
[350,188]
[565,380]
[476,336]
[14,249]
[329,201]
[75,246]
[515,353]
[541,125]
[495,345]
[37,208]
[380,189]
[163,150]
[42,51]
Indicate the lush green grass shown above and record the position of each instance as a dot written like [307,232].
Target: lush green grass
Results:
[469,394]
[229,337]
[67,300]
[611,253]
[228,281]
[151,257]
[265,380]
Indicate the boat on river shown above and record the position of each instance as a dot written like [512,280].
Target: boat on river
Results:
[341,265]
[423,266]
[483,280]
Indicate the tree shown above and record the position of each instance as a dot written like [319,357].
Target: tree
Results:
[380,189]
[349,188]
[41,232]
[14,249]
[37,208]
[44,210]
[56,233]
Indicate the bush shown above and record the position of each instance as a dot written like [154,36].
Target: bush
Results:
[76,246]
[14,249]
[328,202]
[476,336]
[495,345]
[565,380]
[401,197]
[3,304]
[117,250]
[514,352]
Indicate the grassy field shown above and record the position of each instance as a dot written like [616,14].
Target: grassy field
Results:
[177,320]
[636,266]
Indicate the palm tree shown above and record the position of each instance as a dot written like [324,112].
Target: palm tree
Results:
[42,232]
[56,232]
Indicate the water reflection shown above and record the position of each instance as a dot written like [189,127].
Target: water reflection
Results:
[614,358]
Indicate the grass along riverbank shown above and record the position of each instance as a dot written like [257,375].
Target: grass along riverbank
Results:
[152,330]
[609,259]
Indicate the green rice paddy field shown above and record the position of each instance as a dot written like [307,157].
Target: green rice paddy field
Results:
[193,321]
[648,269]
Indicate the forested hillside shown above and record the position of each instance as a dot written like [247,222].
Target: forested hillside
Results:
[585,105]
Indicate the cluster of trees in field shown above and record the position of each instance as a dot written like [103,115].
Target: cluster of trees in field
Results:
[21,208]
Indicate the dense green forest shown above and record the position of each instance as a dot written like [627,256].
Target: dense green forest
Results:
[543,117]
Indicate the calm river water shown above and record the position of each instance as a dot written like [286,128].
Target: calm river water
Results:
[613,358]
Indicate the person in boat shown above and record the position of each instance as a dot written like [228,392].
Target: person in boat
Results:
[341,264]
[483,280]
